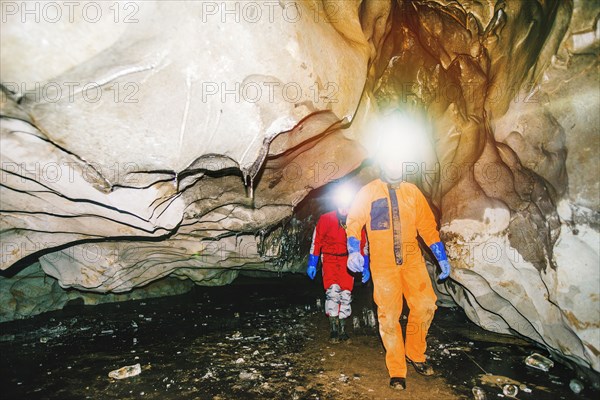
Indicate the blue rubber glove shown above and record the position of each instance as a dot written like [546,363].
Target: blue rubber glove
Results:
[440,254]
[355,260]
[311,270]
[445,266]
[366,275]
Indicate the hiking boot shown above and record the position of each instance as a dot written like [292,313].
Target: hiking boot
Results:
[398,383]
[334,337]
[422,368]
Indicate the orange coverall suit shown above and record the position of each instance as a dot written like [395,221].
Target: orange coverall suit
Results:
[397,265]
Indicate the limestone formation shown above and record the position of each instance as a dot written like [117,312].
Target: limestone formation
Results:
[184,144]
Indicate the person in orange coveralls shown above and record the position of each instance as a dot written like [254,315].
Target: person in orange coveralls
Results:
[329,242]
[394,212]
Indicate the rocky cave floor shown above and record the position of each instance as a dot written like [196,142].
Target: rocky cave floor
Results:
[254,339]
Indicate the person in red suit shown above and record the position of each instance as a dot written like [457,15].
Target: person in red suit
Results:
[329,243]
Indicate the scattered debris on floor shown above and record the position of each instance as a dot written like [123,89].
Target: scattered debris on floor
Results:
[126,372]
[576,386]
[539,361]
[251,341]
[478,393]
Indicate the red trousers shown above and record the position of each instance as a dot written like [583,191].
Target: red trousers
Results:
[335,271]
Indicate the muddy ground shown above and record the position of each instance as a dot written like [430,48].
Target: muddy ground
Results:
[253,340]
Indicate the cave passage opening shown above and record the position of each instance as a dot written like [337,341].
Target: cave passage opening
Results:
[509,86]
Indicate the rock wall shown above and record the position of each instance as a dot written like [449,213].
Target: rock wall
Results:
[510,98]
[183,146]
[32,291]
[170,163]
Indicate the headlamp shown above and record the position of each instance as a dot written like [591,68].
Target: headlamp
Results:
[343,196]
[401,144]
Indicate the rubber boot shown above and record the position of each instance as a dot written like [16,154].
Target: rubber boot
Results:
[398,383]
[422,368]
[343,334]
[334,336]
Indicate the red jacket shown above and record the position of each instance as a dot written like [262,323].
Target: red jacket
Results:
[329,237]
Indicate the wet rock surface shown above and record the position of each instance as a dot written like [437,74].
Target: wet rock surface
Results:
[111,195]
[31,292]
[252,340]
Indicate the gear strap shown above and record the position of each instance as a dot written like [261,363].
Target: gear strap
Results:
[396,224]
